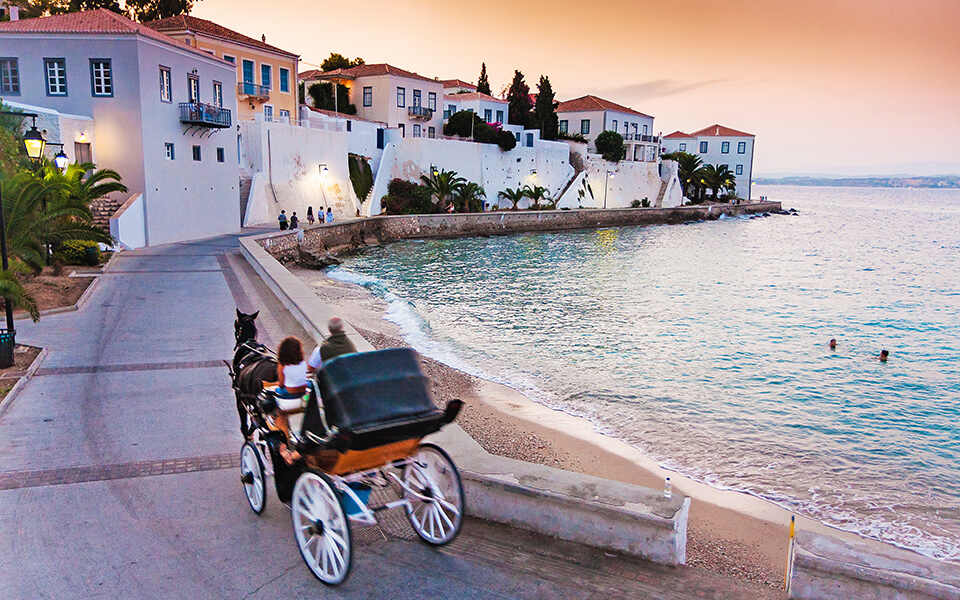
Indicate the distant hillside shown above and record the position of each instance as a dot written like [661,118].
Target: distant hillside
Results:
[936,181]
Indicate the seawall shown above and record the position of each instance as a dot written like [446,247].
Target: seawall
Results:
[355,233]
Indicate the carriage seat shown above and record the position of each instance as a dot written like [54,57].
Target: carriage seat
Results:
[373,399]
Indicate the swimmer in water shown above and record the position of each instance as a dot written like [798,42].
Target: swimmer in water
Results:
[833,343]
[883,355]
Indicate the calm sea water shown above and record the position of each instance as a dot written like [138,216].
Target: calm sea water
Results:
[705,345]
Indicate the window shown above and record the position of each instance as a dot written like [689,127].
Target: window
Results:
[683,147]
[218,94]
[431,132]
[193,88]
[401,97]
[614,128]
[349,125]
[230,59]
[169,151]
[644,129]
[417,98]
[416,131]
[268,113]
[432,100]
[55,70]
[517,135]
[635,129]
[487,115]
[101,77]
[725,147]
[82,152]
[451,108]
[196,153]
[585,126]
[739,169]
[368,95]
[284,79]
[220,155]
[636,152]
[703,147]
[563,126]
[166,94]
[266,76]
[741,147]
[499,116]
[247,75]
[529,140]
[403,130]
[284,115]
[380,139]
[9,77]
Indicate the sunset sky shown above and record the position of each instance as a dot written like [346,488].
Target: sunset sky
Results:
[859,87]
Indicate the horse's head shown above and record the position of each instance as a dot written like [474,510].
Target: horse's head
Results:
[245,327]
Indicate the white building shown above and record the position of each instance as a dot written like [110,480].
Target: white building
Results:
[457,86]
[488,108]
[161,116]
[718,145]
[590,115]
[382,92]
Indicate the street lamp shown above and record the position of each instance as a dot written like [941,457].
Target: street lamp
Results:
[60,159]
[610,175]
[33,141]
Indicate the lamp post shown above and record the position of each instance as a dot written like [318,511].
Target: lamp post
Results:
[60,159]
[606,179]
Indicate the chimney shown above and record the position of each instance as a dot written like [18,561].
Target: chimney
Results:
[263,38]
[14,12]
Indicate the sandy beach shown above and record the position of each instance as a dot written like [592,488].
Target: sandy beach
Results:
[729,533]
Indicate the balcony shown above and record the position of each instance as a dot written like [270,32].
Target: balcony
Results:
[204,115]
[639,137]
[420,112]
[253,90]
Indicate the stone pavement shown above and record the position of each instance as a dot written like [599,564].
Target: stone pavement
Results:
[118,468]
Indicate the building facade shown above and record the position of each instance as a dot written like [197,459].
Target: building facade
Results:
[266,75]
[719,145]
[488,108]
[381,92]
[590,115]
[161,113]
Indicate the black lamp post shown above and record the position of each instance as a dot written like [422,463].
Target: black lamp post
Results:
[33,143]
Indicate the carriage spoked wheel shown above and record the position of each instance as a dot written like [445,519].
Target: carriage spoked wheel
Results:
[321,527]
[253,477]
[436,513]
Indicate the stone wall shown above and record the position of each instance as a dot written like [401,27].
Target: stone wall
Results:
[359,232]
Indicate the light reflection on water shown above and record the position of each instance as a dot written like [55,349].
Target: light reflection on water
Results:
[705,345]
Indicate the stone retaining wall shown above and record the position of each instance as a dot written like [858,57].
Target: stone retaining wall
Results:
[355,233]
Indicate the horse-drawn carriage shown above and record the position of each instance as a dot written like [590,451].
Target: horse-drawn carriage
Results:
[362,426]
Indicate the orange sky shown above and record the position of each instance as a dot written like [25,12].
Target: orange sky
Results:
[868,86]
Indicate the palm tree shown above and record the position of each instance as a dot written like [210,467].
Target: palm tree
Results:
[536,194]
[12,289]
[687,167]
[717,177]
[443,185]
[514,196]
[470,197]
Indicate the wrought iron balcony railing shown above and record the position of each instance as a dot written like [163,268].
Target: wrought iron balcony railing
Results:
[420,112]
[248,88]
[204,115]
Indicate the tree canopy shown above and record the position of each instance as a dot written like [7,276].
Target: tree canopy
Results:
[483,84]
[519,98]
[545,110]
[140,10]
[339,61]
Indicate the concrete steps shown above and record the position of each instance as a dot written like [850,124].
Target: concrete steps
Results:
[663,190]
[103,209]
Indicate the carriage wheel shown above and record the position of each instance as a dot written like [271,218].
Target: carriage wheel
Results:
[321,527]
[253,477]
[431,473]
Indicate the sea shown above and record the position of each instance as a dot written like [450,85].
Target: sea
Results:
[705,345]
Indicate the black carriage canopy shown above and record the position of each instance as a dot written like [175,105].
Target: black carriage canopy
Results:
[375,398]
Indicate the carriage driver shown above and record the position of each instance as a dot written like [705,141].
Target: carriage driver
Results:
[338,343]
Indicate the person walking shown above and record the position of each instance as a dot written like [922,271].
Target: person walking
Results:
[329,215]
[283,220]
[321,216]
[309,215]
[294,221]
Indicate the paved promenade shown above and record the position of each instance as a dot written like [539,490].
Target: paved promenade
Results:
[118,470]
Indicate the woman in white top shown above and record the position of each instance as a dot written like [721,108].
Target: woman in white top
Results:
[292,376]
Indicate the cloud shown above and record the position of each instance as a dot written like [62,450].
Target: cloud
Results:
[659,87]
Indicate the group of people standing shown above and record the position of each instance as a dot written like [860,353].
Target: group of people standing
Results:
[294,221]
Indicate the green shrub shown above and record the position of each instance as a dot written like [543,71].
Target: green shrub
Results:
[610,145]
[640,203]
[574,137]
[506,140]
[361,176]
[407,198]
[79,252]
[459,123]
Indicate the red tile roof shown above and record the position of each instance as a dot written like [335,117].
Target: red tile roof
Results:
[187,23]
[378,69]
[311,74]
[588,103]
[716,130]
[449,83]
[677,134]
[95,21]
[474,96]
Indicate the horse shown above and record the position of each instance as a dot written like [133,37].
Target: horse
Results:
[253,363]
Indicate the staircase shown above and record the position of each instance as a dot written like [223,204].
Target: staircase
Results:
[103,209]
[245,184]
[663,190]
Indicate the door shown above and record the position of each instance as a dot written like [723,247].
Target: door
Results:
[248,77]
[268,113]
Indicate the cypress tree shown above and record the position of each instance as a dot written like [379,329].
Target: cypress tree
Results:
[483,84]
[545,110]
[519,98]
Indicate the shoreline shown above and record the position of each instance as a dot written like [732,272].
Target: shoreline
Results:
[732,533]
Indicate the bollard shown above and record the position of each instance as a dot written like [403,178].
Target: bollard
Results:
[786,577]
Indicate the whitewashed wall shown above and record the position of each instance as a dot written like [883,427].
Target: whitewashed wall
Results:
[485,164]
[127,225]
[629,181]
